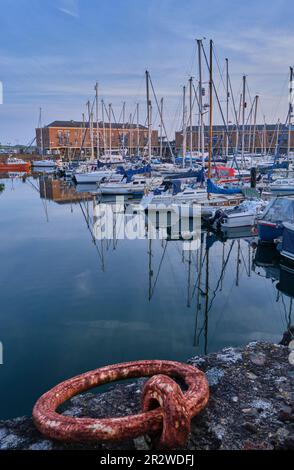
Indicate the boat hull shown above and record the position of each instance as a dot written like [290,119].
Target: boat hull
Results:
[43,164]
[15,168]
[94,177]
[268,231]
[282,191]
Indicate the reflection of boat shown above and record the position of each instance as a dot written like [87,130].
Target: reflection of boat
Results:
[286,284]
[15,165]
[268,257]
[231,233]
[270,224]
[288,240]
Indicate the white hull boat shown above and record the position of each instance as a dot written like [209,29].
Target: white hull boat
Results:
[44,163]
[282,186]
[243,215]
[136,187]
[95,176]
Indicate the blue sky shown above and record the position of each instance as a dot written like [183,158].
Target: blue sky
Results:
[53,51]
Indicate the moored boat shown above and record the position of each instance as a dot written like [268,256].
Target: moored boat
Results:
[45,163]
[15,165]
[282,186]
[271,223]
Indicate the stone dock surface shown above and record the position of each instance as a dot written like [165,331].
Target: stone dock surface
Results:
[251,406]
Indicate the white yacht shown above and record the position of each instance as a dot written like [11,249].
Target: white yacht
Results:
[243,215]
[137,186]
[45,163]
[282,186]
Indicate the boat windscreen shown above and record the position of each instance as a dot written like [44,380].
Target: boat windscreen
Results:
[280,210]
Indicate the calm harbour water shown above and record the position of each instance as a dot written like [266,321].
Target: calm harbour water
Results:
[64,311]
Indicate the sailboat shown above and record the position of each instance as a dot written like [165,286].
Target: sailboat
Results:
[44,162]
[137,186]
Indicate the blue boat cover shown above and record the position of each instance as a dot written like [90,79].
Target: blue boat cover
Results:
[214,189]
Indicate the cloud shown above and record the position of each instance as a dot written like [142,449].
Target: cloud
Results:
[69,7]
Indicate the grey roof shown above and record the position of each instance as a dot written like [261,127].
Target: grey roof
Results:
[74,124]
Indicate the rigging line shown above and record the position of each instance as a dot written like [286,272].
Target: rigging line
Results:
[280,97]
[221,74]
[249,94]
[163,125]
[159,269]
[217,98]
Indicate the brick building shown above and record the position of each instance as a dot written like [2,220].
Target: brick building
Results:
[69,137]
[264,139]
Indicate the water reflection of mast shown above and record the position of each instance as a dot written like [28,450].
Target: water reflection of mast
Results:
[88,223]
[189,279]
[238,264]
[151,272]
[206,304]
[150,269]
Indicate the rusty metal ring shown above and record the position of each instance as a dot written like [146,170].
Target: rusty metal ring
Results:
[66,428]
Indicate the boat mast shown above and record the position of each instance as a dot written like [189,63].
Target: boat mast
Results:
[97,122]
[148,115]
[41,132]
[161,124]
[227,106]
[103,125]
[290,111]
[277,138]
[243,120]
[199,43]
[138,133]
[210,109]
[264,136]
[191,119]
[123,136]
[131,136]
[90,116]
[254,125]
[184,126]
[110,128]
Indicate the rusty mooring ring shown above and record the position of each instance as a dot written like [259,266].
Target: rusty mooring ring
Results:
[167,410]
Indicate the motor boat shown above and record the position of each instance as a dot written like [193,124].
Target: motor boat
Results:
[243,215]
[282,186]
[271,222]
[15,165]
